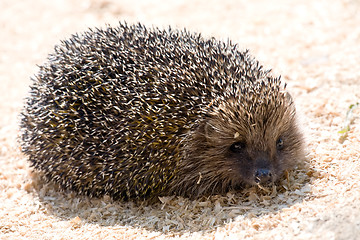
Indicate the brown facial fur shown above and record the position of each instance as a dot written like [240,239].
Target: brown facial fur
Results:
[210,166]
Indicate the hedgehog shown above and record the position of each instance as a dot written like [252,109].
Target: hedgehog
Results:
[134,112]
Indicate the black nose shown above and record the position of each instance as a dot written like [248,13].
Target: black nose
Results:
[263,176]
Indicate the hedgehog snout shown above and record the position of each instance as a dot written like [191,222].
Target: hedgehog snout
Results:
[263,176]
[263,173]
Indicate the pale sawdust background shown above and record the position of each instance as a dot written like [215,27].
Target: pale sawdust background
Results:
[314,45]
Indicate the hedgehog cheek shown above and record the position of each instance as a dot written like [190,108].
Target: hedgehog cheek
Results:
[242,167]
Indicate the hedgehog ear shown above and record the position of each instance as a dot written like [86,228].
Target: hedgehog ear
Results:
[209,130]
[213,132]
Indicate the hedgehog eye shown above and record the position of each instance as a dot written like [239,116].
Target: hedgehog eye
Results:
[279,144]
[237,147]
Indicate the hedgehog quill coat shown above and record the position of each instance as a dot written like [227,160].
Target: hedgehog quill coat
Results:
[138,113]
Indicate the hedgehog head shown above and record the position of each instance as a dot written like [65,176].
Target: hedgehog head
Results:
[249,138]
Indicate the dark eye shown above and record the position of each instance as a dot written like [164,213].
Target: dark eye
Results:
[237,147]
[279,144]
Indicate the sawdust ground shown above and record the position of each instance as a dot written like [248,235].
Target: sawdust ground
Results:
[314,45]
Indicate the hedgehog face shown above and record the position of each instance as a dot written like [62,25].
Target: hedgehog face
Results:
[260,163]
[238,145]
[253,148]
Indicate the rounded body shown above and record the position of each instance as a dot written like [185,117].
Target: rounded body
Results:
[136,113]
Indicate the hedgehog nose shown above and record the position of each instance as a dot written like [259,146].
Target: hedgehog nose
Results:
[263,176]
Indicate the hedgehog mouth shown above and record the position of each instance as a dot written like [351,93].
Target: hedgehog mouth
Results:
[264,185]
[262,182]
